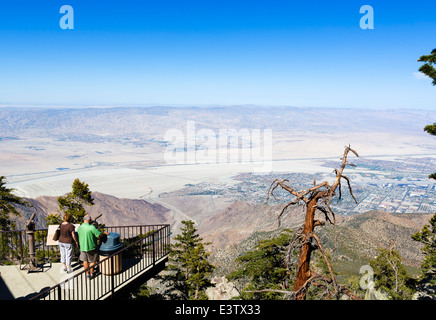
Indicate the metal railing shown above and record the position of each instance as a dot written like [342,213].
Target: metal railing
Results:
[14,247]
[148,245]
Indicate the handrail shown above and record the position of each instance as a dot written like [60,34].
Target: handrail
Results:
[144,253]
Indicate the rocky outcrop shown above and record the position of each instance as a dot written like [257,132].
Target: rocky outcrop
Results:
[222,289]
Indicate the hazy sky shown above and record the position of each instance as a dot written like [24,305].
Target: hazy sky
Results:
[296,53]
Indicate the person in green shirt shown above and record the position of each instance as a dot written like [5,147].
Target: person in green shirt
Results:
[88,235]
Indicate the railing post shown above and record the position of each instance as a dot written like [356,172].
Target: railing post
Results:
[154,248]
[112,277]
[167,240]
[140,244]
[21,248]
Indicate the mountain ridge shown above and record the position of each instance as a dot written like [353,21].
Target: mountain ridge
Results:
[115,211]
[131,121]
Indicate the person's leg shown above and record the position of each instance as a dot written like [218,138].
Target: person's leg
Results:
[85,266]
[93,259]
[68,256]
[63,255]
[84,259]
[91,264]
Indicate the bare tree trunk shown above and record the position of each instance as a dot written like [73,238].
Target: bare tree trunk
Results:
[303,271]
[393,264]
[324,192]
[196,292]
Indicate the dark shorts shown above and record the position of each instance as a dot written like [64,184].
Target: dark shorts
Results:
[89,256]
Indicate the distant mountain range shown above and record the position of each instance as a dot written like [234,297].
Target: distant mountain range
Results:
[103,123]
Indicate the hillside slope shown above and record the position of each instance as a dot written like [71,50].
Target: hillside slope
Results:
[353,242]
[115,211]
[358,237]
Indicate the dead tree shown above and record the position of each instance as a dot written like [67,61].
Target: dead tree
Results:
[316,198]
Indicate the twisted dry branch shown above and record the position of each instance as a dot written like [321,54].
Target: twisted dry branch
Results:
[326,260]
[327,292]
[323,191]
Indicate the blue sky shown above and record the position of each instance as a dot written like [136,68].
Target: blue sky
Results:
[292,53]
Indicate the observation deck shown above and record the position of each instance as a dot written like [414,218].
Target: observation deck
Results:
[144,253]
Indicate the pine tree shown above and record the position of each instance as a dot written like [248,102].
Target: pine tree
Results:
[188,270]
[263,272]
[8,201]
[427,236]
[73,203]
[428,68]
[390,275]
